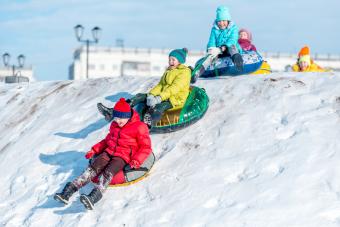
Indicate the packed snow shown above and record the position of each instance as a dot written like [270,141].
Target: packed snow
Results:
[265,154]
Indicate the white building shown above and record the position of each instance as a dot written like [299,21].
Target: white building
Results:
[24,72]
[119,61]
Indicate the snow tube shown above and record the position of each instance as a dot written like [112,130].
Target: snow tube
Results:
[224,66]
[264,69]
[174,119]
[129,176]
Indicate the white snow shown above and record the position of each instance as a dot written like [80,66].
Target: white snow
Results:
[265,154]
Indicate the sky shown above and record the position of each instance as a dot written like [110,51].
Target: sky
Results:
[43,30]
[266,153]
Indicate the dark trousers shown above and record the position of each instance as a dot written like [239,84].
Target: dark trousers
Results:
[157,111]
[107,164]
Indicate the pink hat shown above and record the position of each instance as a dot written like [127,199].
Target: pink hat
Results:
[250,37]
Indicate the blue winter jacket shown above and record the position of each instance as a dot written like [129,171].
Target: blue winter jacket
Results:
[227,37]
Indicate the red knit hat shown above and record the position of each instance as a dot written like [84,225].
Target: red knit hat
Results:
[122,109]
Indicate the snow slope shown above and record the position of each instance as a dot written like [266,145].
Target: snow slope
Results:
[265,154]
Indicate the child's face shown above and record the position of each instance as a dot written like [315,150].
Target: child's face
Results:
[243,35]
[222,24]
[173,62]
[303,65]
[121,121]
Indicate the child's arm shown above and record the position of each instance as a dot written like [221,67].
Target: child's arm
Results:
[144,144]
[212,39]
[156,90]
[99,147]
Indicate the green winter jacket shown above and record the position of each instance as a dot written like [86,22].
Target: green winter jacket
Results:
[174,86]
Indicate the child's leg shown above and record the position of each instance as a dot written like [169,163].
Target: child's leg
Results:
[107,111]
[115,165]
[92,170]
[156,113]
[138,98]
[213,52]
[236,57]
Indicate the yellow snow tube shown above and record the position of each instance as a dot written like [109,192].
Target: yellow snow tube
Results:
[264,69]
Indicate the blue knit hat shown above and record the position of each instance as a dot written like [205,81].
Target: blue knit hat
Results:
[179,54]
[222,13]
[122,109]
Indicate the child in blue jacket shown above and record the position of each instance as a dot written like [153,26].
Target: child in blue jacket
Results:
[223,40]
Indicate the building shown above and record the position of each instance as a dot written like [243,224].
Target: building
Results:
[119,61]
[23,72]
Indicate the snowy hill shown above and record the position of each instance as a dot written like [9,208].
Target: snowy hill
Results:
[265,154]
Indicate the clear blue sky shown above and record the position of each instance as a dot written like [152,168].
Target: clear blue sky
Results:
[42,30]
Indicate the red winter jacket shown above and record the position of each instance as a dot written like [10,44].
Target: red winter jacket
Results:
[131,142]
[246,45]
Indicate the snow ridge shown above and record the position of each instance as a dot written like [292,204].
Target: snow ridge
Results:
[265,154]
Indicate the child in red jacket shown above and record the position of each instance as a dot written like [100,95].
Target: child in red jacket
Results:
[245,39]
[128,142]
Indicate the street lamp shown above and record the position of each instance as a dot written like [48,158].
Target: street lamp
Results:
[79,30]
[21,60]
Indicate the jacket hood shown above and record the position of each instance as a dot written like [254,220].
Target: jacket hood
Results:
[215,26]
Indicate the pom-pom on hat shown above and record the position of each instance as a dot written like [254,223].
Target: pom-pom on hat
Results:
[122,109]
[179,54]
[222,13]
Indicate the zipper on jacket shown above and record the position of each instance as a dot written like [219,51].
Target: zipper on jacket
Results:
[117,140]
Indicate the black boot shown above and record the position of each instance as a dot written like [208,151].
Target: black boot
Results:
[89,200]
[106,111]
[67,192]
[238,61]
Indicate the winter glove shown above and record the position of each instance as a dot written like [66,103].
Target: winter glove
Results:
[223,48]
[90,154]
[238,61]
[134,164]
[152,101]
[214,51]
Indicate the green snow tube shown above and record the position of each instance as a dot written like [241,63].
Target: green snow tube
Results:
[177,118]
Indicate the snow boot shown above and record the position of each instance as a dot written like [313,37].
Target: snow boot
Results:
[67,192]
[238,61]
[106,111]
[147,119]
[89,200]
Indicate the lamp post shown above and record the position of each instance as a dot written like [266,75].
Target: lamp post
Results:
[79,30]
[21,60]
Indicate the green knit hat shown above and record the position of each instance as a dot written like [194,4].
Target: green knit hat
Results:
[179,54]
